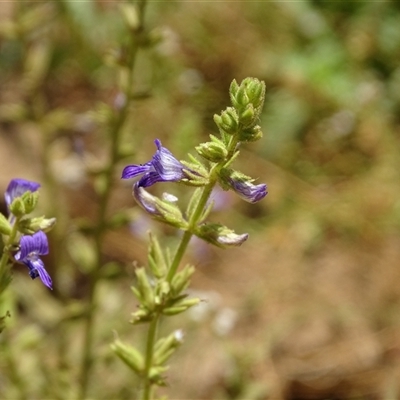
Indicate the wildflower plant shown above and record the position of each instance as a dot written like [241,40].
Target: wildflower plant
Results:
[23,237]
[161,286]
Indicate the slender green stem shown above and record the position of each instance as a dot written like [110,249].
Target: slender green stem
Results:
[151,338]
[182,247]
[188,234]
[6,256]
[7,349]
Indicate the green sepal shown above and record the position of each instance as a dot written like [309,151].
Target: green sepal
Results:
[181,279]
[248,116]
[162,210]
[165,347]
[220,235]
[5,226]
[162,292]
[251,134]
[17,207]
[174,310]
[141,316]
[214,151]
[29,226]
[194,200]
[233,89]
[30,200]
[129,355]
[199,176]
[145,289]
[156,375]
[228,121]
[155,257]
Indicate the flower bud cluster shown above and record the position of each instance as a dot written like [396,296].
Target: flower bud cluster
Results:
[241,119]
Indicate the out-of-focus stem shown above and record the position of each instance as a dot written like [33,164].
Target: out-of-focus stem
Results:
[115,136]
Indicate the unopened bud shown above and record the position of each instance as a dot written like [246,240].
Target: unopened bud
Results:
[220,235]
[213,152]
[247,116]
[31,225]
[251,134]
[17,207]
[129,355]
[30,200]
[181,280]
[5,227]
[145,289]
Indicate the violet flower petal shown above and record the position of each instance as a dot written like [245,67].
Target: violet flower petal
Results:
[168,167]
[36,269]
[149,179]
[132,171]
[34,244]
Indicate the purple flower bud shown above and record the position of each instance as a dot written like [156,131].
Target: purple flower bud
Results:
[31,247]
[163,210]
[163,167]
[147,201]
[247,191]
[242,185]
[17,187]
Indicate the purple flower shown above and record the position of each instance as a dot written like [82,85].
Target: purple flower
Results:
[17,187]
[163,167]
[247,191]
[31,247]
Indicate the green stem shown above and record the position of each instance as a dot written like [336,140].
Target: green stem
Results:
[182,247]
[192,223]
[7,349]
[151,339]
[115,135]
[6,256]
